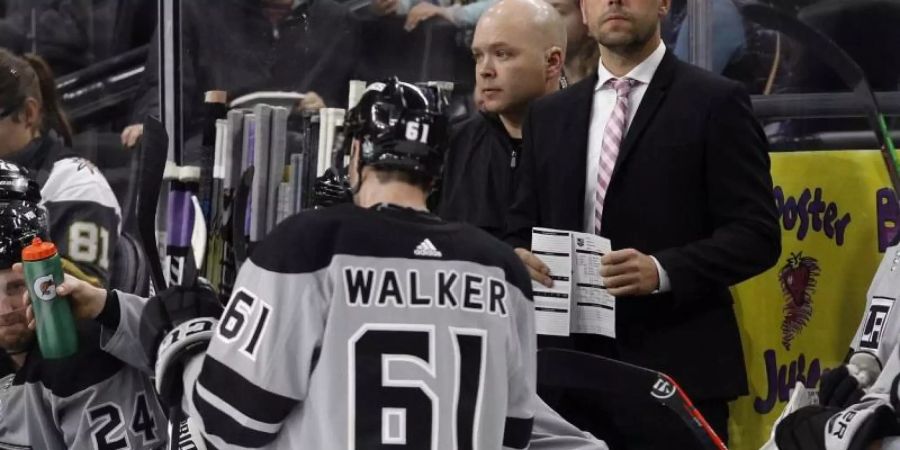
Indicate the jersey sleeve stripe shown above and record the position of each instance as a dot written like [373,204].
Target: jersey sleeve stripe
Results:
[252,401]
[219,424]
[517,432]
[235,414]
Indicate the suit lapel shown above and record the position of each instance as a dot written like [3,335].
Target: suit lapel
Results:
[579,117]
[654,95]
[577,132]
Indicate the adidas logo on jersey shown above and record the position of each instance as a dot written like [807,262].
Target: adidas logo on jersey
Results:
[426,248]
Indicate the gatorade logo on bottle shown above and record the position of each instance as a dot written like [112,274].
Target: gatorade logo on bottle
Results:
[45,288]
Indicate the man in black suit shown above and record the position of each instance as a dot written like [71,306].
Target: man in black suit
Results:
[668,162]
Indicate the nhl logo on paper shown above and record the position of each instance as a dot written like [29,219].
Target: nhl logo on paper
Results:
[45,288]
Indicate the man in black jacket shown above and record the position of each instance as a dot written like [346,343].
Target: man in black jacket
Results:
[668,162]
[519,50]
[242,46]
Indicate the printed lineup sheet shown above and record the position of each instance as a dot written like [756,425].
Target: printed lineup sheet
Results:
[594,309]
[578,302]
[552,305]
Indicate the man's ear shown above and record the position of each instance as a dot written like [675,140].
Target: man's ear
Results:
[555,60]
[664,6]
[583,6]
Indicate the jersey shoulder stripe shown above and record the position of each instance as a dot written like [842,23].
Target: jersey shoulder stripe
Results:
[315,237]
[68,376]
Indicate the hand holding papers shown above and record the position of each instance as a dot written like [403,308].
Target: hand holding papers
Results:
[578,302]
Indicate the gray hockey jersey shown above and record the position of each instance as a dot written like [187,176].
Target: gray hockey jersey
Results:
[879,331]
[354,328]
[13,432]
[91,400]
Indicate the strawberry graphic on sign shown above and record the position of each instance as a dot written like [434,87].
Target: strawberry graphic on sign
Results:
[798,282]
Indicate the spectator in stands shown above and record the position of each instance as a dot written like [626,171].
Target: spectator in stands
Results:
[242,46]
[728,33]
[463,15]
[85,218]
[55,29]
[582,52]
[519,50]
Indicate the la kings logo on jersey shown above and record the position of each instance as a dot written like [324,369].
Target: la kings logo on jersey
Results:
[875,321]
[426,248]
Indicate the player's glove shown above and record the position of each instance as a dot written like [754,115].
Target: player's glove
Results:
[840,388]
[176,325]
[177,348]
[821,427]
[171,308]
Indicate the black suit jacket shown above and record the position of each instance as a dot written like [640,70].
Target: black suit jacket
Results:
[691,186]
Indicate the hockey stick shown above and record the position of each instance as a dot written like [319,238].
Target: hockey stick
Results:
[152,159]
[180,259]
[239,215]
[567,369]
[842,64]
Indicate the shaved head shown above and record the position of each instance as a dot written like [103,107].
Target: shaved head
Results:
[538,22]
[519,49]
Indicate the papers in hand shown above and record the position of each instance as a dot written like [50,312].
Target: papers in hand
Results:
[578,302]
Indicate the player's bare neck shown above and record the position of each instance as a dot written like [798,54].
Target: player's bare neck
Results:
[372,192]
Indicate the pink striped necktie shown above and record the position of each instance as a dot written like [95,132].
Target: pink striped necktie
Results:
[612,138]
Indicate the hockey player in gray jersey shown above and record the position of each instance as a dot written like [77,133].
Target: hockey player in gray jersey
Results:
[89,400]
[361,326]
[372,324]
[85,218]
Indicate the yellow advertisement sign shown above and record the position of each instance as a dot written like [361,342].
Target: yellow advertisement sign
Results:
[837,215]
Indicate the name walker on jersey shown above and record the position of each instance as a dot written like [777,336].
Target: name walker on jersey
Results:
[366,286]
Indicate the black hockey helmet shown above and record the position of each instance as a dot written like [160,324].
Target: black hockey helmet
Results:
[21,216]
[400,126]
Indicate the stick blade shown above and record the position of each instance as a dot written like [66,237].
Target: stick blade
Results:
[152,157]
[625,392]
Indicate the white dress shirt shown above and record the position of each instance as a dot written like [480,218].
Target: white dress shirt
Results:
[601,110]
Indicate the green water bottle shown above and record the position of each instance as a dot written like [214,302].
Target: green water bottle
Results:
[55,325]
